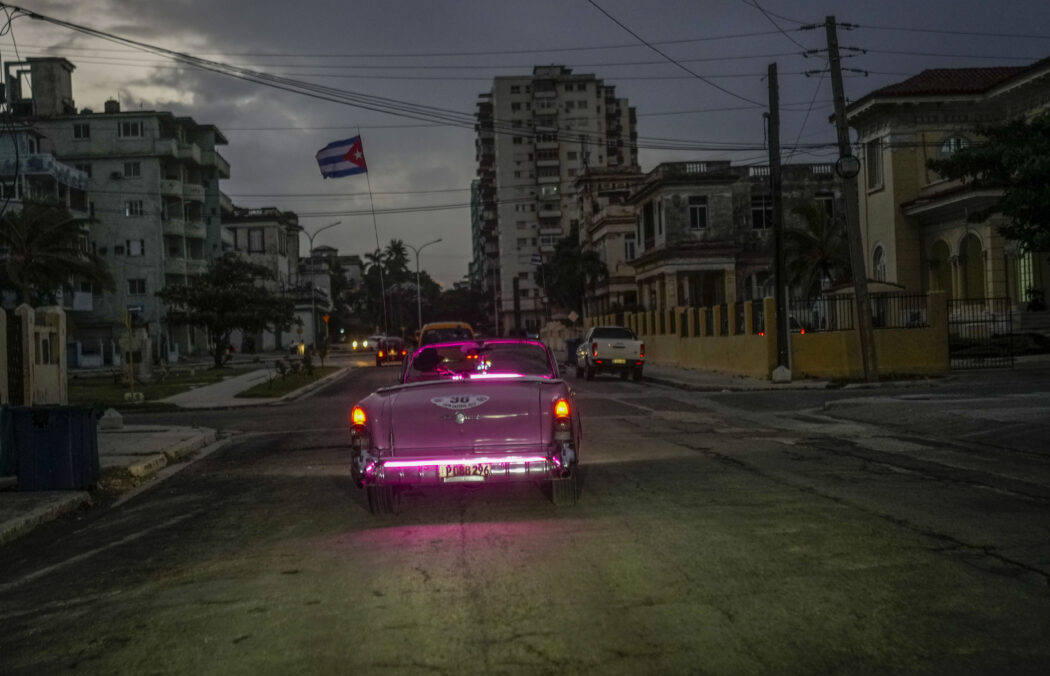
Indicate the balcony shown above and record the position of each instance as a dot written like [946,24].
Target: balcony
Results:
[196,266]
[175,266]
[189,151]
[548,179]
[171,187]
[174,226]
[193,193]
[211,158]
[196,229]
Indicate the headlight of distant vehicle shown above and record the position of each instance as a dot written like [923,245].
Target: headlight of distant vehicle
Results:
[354,344]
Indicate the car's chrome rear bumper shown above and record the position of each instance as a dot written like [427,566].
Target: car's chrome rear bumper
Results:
[480,469]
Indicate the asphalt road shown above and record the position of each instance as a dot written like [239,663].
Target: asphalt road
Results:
[888,531]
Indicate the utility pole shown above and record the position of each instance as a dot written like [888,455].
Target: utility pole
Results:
[847,168]
[783,371]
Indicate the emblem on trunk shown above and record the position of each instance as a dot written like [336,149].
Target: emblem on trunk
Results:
[460,402]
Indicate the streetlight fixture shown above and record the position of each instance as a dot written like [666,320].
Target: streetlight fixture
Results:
[419,302]
[313,279]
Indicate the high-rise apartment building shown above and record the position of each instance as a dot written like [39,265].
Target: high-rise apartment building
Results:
[536,134]
[153,192]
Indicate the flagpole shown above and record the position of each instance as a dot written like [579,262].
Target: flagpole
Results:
[379,248]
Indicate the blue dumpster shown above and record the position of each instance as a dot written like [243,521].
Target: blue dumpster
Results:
[55,447]
[8,460]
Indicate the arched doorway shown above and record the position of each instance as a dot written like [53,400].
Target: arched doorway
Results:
[971,267]
[940,268]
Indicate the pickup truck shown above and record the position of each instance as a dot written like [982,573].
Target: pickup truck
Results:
[610,349]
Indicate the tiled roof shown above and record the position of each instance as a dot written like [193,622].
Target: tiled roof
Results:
[950,81]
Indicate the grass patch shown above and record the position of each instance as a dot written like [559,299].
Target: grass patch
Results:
[108,392]
[278,386]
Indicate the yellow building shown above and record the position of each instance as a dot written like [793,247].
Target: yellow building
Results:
[914,223]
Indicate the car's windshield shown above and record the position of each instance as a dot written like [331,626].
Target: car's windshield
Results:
[479,359]
[613,332]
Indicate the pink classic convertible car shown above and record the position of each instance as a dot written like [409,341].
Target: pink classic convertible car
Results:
[470,411]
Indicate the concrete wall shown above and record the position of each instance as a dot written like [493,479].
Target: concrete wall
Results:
[679,337]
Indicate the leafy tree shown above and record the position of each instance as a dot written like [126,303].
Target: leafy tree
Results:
[226,298]
[572,272]
[815,251]
[1014,157]
[44,253]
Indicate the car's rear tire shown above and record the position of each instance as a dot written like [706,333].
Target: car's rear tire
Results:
[563,490]
[637,375]
[380,499]
[579,371]
[589,372]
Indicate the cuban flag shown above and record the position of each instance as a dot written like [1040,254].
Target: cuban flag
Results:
[342,158]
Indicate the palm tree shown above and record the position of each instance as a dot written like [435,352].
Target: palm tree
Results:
[396,261]
[817,251]
[43,251]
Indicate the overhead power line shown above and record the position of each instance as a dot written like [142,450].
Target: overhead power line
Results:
[672,60]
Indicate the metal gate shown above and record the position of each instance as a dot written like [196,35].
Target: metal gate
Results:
[980,333]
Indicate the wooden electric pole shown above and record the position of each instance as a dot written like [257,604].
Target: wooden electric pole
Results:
[846,168]
[783,372]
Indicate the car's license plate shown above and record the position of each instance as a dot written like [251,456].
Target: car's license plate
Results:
[476,472]
[619,361]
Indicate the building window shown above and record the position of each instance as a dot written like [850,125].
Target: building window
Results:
[134,208]
[873,160]
[629,252]
[129,129]
[86,168]
[515,107]
[826,204]
[256,241]
[515,89]
[516,140]
[761,212]
[136,247]
[523,242]
[136,287]
[132,169]
[698,212]
[952,144]
[240,239]
[81,131]
[878,264]
[581,105]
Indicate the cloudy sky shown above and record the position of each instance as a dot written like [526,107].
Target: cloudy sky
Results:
[694,70]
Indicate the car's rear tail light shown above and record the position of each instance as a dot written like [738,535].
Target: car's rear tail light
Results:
[380,353]
[594,349]
[641,351]
[403,353]
[357,416]
[562,424]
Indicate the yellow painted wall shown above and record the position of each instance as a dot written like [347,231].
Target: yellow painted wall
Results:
[825,355]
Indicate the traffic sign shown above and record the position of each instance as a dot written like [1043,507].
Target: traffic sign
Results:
[326,318]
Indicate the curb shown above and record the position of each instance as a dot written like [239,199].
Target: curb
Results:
[302,392]
[24,523]
[184,448]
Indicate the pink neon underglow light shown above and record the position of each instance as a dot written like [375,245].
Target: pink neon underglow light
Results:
[472,460]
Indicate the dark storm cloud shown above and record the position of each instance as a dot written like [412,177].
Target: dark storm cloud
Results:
[273,134]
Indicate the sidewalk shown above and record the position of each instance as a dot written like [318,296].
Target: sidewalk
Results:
[137,452]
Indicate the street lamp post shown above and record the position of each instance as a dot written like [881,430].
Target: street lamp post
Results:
[313,280]
[419,302]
